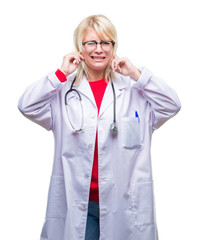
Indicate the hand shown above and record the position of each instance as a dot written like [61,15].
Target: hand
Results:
[125,67]
[71,62]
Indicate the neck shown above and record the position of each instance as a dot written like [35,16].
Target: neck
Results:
[95,75]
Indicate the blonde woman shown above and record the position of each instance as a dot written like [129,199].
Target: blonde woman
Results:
[102,110]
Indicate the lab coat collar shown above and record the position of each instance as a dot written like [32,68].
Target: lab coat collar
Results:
[85,89]
[119,84]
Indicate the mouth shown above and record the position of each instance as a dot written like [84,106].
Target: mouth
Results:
[98,57]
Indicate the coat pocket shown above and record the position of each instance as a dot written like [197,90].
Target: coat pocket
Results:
[130,133]
[142,204]
[56,206]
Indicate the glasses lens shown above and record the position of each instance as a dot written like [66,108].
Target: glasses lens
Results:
[106,45]
[92,45]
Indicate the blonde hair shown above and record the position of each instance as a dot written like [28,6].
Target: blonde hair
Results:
[102,26]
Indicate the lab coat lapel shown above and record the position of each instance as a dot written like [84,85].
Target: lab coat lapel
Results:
[85,89]
[108,98]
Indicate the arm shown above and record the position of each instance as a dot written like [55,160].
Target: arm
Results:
[35,103]
[163,100]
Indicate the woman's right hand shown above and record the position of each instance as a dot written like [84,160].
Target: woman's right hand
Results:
[71,62]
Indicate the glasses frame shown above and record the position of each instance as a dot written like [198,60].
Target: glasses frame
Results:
[96,43]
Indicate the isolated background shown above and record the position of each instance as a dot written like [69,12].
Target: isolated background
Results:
[35,35]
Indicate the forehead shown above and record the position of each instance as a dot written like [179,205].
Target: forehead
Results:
[91,34]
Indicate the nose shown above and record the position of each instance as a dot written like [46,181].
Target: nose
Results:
[98,48]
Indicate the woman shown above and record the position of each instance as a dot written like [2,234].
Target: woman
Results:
[102,116]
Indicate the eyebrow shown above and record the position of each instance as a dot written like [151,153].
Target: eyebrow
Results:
[96,40]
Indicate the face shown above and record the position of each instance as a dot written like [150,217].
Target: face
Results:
[97,59]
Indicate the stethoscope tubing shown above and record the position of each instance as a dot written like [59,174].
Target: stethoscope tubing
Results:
[113,127]
[66,105]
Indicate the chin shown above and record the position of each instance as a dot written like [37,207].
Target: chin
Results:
[98,66]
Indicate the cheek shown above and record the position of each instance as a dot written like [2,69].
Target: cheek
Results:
[109,58]
[86,58]
[84,54]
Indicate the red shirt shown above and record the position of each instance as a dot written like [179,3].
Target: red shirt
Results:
[98,89]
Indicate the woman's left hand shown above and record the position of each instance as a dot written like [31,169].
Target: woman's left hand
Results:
[125,67]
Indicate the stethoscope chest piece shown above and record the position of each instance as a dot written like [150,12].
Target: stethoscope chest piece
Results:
[114,129]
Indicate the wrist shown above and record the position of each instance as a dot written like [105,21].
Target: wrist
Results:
[64,72]
[136,75]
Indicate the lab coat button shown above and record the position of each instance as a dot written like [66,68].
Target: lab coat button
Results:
[83,207]
[131,208]
[92,115]
[90,146]
[86,175]
[104,148]
[103,211]
[126,195]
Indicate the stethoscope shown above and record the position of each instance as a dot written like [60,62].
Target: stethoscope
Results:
[113,126]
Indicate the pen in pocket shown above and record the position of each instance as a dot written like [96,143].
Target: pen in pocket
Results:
[137,116]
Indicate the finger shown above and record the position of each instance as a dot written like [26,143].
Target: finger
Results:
[119,69]
[77,59]
[81,56]
[113,65]
[74,60]
[116,57]
[119,64]
[71,58]
[116,65]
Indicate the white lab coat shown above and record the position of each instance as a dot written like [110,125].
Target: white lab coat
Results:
[126,200]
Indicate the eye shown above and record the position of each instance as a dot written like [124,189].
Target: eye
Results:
[91,43]
[105,43]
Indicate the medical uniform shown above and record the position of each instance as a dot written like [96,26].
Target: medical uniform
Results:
[125,181]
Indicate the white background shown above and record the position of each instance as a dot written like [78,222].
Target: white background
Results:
[161,35]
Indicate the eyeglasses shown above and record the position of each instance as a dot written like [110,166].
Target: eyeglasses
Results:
[92,45]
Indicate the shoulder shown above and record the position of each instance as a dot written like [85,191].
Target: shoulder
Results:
[123,81]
